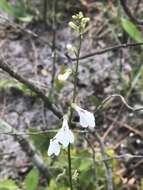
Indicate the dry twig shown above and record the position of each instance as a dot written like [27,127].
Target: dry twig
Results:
[5,67]
[121,46]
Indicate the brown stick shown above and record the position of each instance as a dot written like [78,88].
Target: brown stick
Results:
[106,50]
[5,67]
[28,148]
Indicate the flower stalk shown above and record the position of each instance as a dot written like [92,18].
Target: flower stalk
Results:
[79,28]
[65,136]
[71,109]
[76,69]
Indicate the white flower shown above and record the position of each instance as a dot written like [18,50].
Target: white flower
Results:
[86,118]
[65,135]
[54,147]
[63,77]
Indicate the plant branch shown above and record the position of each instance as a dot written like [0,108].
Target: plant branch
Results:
[105,50]
[28,148]
[5,67]
[137,6]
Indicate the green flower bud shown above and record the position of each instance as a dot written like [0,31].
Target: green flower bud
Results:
[73,26]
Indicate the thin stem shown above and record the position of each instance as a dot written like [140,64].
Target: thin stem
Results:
[76,69]
[108,170]
[69,164]
[71,110]
[45,6]
[106,50]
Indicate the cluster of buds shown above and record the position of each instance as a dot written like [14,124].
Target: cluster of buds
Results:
[79,23]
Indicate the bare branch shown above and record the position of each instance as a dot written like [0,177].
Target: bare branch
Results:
[5,67]
[105,50]
[28,148]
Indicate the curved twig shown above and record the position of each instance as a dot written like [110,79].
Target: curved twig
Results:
[122,99]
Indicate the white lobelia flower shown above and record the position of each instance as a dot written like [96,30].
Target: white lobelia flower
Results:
[54,147]
[65,135]
[63,77]
[86,118]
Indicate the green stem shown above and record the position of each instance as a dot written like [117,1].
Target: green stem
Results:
[45,6]
[69,163]
[71,110]
[76,69]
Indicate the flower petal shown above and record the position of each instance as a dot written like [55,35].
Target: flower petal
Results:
[90,119]
[54,147]
[65,135]
[87,118]
[62,138]
[83,120]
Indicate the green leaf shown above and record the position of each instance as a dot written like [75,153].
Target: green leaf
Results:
[8,184]
[4,5]
[27,18]
[32,179]
[6,84]
[132,30]
[18,12]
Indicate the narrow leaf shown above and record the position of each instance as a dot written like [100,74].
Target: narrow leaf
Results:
[132,30]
